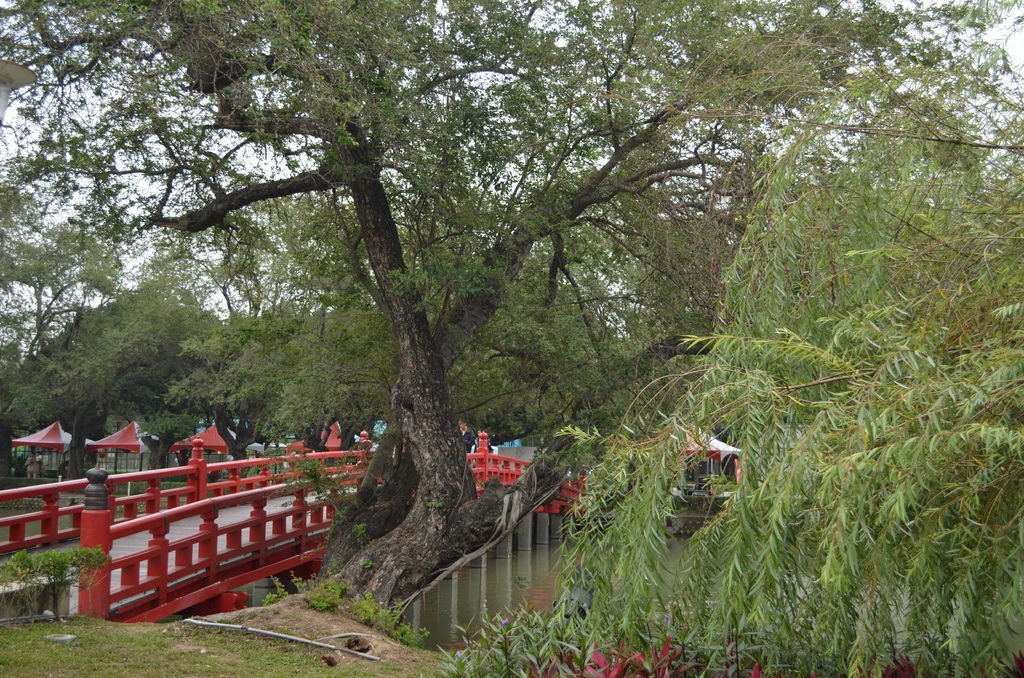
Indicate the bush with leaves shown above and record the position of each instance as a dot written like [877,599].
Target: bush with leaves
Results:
[54,571]
[327,596]
[368,611]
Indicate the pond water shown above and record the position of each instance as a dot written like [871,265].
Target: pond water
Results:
[477,593]
[473,595]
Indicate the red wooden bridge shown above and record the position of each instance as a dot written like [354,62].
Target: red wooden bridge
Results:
[181,547]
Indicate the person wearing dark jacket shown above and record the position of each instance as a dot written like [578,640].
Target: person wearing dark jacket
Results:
[468,436]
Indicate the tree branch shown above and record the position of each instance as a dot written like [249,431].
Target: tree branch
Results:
[213,213]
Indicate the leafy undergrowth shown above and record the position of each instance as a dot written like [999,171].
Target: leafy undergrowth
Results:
[331,596]
[533,645]
[109,649]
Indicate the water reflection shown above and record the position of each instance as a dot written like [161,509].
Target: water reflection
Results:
[476,593]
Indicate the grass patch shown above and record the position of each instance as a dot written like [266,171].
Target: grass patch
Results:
[109,649]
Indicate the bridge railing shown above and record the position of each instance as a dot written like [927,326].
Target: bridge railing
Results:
[157,573]
[486,466]
[53,523]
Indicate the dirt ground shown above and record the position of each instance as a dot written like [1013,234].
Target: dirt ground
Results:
[293,617]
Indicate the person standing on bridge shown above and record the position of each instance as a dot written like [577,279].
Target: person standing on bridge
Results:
[468,436]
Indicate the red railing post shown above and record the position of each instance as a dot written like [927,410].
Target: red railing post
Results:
[157,564]
[299,518]
[94,593]
[258,531]
[482,444]
[208,543]
[236,479]
[152,495]
[50,525]
[198,466]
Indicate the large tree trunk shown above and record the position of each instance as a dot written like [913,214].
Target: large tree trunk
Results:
[82,425]
[237,435]
[427,516]
[421,403]
[6,433]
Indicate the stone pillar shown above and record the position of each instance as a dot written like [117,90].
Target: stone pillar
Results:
[503,549]
[543,527]
[524,533]
[556,527]
[454,628]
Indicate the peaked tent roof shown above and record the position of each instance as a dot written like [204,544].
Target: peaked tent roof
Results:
[211,441]
[714,447]
[125,439]
[53,436]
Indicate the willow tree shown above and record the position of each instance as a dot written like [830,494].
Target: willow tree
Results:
[455,144]
[871,374]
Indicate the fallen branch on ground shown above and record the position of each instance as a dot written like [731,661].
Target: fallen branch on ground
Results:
[275,634]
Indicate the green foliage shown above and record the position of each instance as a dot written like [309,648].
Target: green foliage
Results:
[871,374]
[55,571]
[368,611]
[327,596]
[524,643]
[491,160]
[359,532]
[278,594]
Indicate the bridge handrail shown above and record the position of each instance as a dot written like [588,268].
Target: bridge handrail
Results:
[37,491]
[164,575]
[486,465]
[154,497]
[497,461]
[192,509]
[64,486]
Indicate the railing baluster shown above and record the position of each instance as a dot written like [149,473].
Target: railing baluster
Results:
[153,495]
[16,533]
[156,564]
[49,526]
[208,543]
[236,480]
[258,531]
[299,519]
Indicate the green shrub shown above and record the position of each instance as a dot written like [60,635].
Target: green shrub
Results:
[55,571]
[278,594]
[368,611]
[327,596]
[9,483]
[359,532]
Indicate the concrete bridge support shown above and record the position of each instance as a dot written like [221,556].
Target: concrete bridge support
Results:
[524,533]
[503,549]
[556,527]
[543,522]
